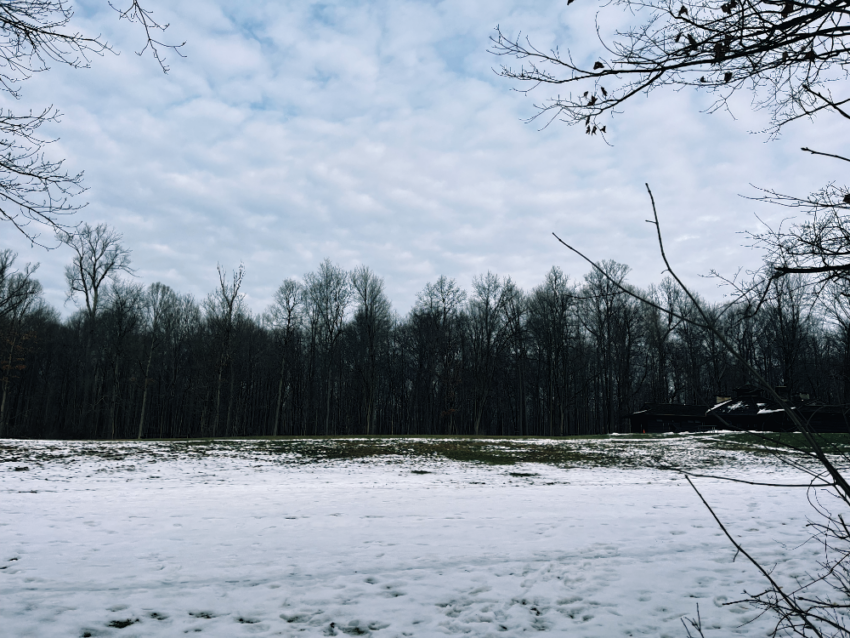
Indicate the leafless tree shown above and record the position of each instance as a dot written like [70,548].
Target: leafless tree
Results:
[223,308]
[552,320]
[124,313]
[372,322]
[328,295]
[786,52]
[159,306]
[35,35]
[611,316]
[284,317]
[488,331]
[660,332]
[801,607]
[15,285]
[438,307]
[98,256]
[515,310]
[792,56]
[819,245]
[19,293]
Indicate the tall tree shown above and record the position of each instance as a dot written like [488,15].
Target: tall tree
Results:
[660,328]
[515,309]
[284,318]
[610,317]
[98,257]
[223,308]
[160,305]
[19,294]
[788,327]
[15,285]
[438,309]
[125,304]
[372,322]
[328,294]
[487,337]
[552,321]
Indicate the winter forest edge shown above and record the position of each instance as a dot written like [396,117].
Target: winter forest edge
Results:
[331,357]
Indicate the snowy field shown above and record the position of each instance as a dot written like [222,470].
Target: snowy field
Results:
[253,538]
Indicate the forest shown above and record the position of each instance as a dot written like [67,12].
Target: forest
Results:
[330,356]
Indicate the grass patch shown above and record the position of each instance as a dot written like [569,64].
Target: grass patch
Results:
[704,451]
[786,442]
[478,456]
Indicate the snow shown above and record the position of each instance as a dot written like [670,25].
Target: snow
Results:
[731,406]
[153,542]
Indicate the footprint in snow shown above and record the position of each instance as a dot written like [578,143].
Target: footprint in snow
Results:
[121,624]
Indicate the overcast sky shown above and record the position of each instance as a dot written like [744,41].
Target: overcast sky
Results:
[377,133]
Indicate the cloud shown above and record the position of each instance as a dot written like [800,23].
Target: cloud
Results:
[378,133]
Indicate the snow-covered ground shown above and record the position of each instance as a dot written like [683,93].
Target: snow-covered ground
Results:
[147,541]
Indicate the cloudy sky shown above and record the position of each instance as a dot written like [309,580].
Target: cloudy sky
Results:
[377,133]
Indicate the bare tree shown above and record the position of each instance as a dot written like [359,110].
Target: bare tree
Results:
[328,294]
[34,35]
[788,326]
[611,317]
[515,310]
[790,55]
[181,333]
[800,607]
[660,331]
[15,286]
[372,321]
[552,319]
[819,245]
[159,306]
[19,294]
[123,315]
[223,307]
[488,335]
[439,305]
[284,317]
[98,257]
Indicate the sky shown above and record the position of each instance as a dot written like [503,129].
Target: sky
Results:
[378,133]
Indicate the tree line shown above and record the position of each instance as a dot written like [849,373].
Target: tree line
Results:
[331,357]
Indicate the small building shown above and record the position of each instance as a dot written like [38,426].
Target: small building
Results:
[750,409]
[747,409]
[669,417]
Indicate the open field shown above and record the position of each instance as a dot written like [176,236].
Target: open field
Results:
[390,537]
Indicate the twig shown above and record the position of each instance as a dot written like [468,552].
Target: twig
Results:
[792,605]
